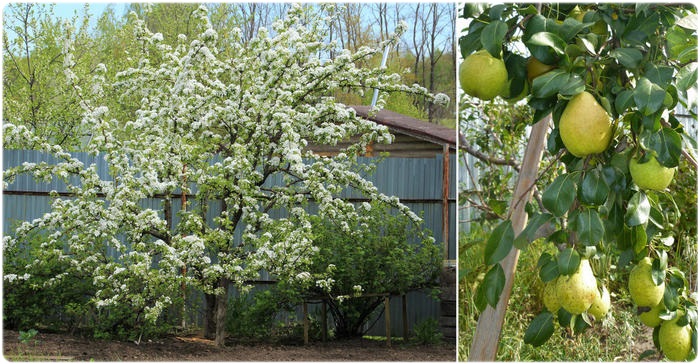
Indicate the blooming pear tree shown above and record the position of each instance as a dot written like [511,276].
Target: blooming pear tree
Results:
[187,120]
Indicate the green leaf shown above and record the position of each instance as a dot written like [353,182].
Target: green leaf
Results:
[648,96]
[589,227]
[628,57]
[646,354]
[540,329]
[689,22]
[549,271]
[637,236]
[496,11]
[471,42]
[568,261]
[480,297]
[671,299]
[594,189]
[500,243]
[569,28]
[494,281]
[660,75]
[658,272]
[560,195]
[667,145]
[492,37]
[638,209]
[623,101]
[529,233]
[550,40]
[687,77]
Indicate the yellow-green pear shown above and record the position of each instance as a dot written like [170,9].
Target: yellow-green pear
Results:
[535,68]
[482,75]
[577,292]
[585,127]
[675,341]
[643,290]
[601,304]
[651,317]
[651,175]
[550,296]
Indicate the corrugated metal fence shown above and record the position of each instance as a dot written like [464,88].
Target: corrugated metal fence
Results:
[416,181]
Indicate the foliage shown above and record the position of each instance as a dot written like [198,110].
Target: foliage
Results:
[618,337]
[25,337]
[35,91]
[186,115]
[257,314]
[428,332]
[640,62]
[44,297]
[378,251]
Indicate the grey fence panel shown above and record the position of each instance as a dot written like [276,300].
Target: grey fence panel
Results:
[417,180]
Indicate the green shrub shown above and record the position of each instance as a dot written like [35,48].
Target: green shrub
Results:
[29,302]
[380,252]
[428,332]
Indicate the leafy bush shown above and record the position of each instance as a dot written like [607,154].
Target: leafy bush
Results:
[56,295]
[28,301]
[428,332]
[379,252]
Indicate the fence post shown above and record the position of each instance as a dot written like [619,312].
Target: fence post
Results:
[387,318]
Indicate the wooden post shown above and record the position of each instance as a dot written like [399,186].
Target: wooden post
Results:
[387,318]
[404,316]
[446,200]
[183,286]
[324,320]
[305,312]
[488,330]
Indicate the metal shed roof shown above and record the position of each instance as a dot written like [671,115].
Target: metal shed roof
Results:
[423,130]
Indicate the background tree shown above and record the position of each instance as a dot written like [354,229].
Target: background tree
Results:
[34,89]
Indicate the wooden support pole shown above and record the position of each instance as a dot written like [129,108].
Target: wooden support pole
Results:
[387,318]
[305,312]
[488,330]
[446,201]
[324,320]
[404,317]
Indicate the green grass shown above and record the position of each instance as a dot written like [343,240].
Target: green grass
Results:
[619,337]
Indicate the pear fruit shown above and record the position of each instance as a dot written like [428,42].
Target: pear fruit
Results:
[482,75]
[675,341]
[536,68]
[550,297]
[651,175]
[643,290]
[601,304]
[577,292]
[651,317]
[585,127]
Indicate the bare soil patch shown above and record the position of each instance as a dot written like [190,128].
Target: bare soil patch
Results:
[59,347]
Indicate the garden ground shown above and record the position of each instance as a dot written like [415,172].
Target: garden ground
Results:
[58,347]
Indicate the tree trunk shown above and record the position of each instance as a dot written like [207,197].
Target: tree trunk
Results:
[209,321]
[221,305]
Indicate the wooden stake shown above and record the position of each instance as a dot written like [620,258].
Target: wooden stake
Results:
[488,330]
[387,318]
[306,322]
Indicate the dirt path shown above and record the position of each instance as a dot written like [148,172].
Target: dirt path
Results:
[58,347]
